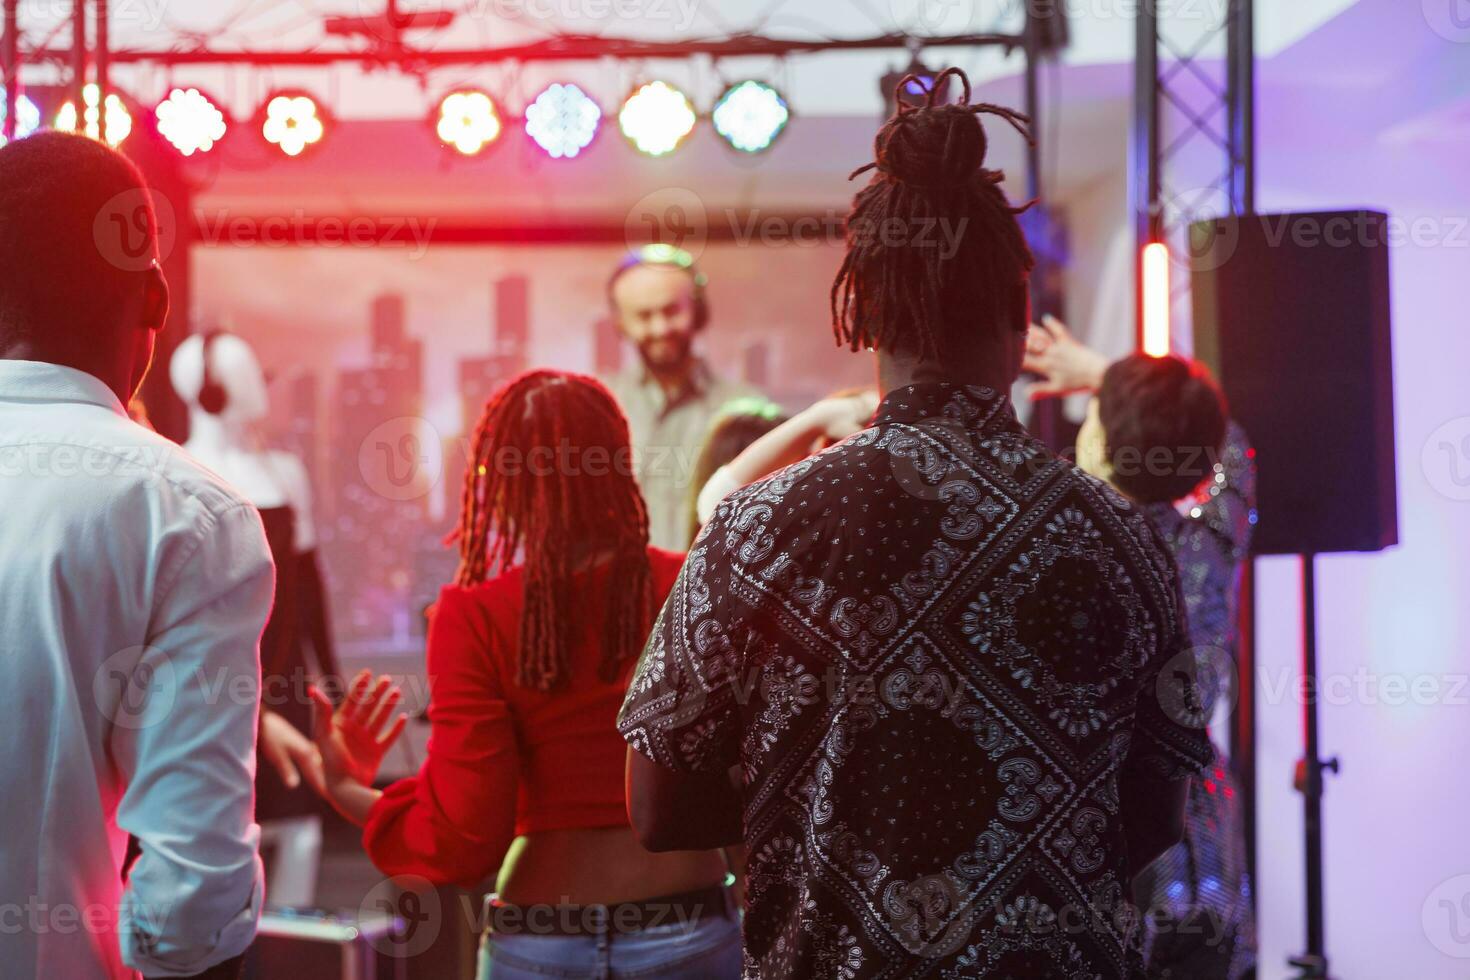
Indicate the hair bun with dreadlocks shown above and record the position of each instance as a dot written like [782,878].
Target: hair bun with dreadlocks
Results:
[937,145]
[896,290]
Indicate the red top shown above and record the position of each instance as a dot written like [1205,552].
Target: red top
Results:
[504,760]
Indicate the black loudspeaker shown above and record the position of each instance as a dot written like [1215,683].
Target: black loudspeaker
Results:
[1291,312]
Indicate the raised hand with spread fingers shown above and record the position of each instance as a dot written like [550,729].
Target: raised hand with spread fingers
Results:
[1066,365]
[352,740]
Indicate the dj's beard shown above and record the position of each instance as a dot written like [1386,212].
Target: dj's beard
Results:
[669,354]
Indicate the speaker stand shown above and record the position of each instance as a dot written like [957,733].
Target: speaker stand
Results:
[1312,963]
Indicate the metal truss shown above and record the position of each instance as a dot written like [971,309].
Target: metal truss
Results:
[1193,149]
[1192,157]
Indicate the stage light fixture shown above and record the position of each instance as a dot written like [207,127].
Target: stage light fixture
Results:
[27,116]
[118,124]
[190,121]
[656,118]
[915,91]
[562,120]
[292,122]
[1156,299]
[750,115]
[468,121]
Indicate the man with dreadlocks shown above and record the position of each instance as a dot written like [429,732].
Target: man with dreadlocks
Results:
[528,657]
[936,651]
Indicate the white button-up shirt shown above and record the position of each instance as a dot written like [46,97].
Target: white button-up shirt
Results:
[668,434]
[134,585]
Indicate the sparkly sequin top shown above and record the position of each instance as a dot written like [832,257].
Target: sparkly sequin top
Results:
[1197,896]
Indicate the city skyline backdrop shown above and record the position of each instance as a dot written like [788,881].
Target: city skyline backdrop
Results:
[377,378]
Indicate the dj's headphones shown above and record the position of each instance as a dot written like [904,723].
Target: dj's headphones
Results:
[212,395]
[671,256]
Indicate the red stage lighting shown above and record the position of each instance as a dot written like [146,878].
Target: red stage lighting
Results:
[1156,299]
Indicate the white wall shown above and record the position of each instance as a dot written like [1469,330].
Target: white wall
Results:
[1395,818]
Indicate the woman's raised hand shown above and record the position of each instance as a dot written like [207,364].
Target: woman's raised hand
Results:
[354,737]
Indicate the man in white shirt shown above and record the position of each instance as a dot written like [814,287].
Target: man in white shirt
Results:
[134,585]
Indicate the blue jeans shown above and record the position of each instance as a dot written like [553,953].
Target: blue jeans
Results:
[707,950]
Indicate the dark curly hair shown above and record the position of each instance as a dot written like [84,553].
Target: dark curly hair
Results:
[1164,421]
[897,288]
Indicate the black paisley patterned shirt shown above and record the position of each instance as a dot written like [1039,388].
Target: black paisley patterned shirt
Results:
[931,649]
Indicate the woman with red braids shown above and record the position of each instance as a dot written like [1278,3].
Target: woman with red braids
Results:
[529,652]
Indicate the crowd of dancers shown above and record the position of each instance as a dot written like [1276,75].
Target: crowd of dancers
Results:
[885,688]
